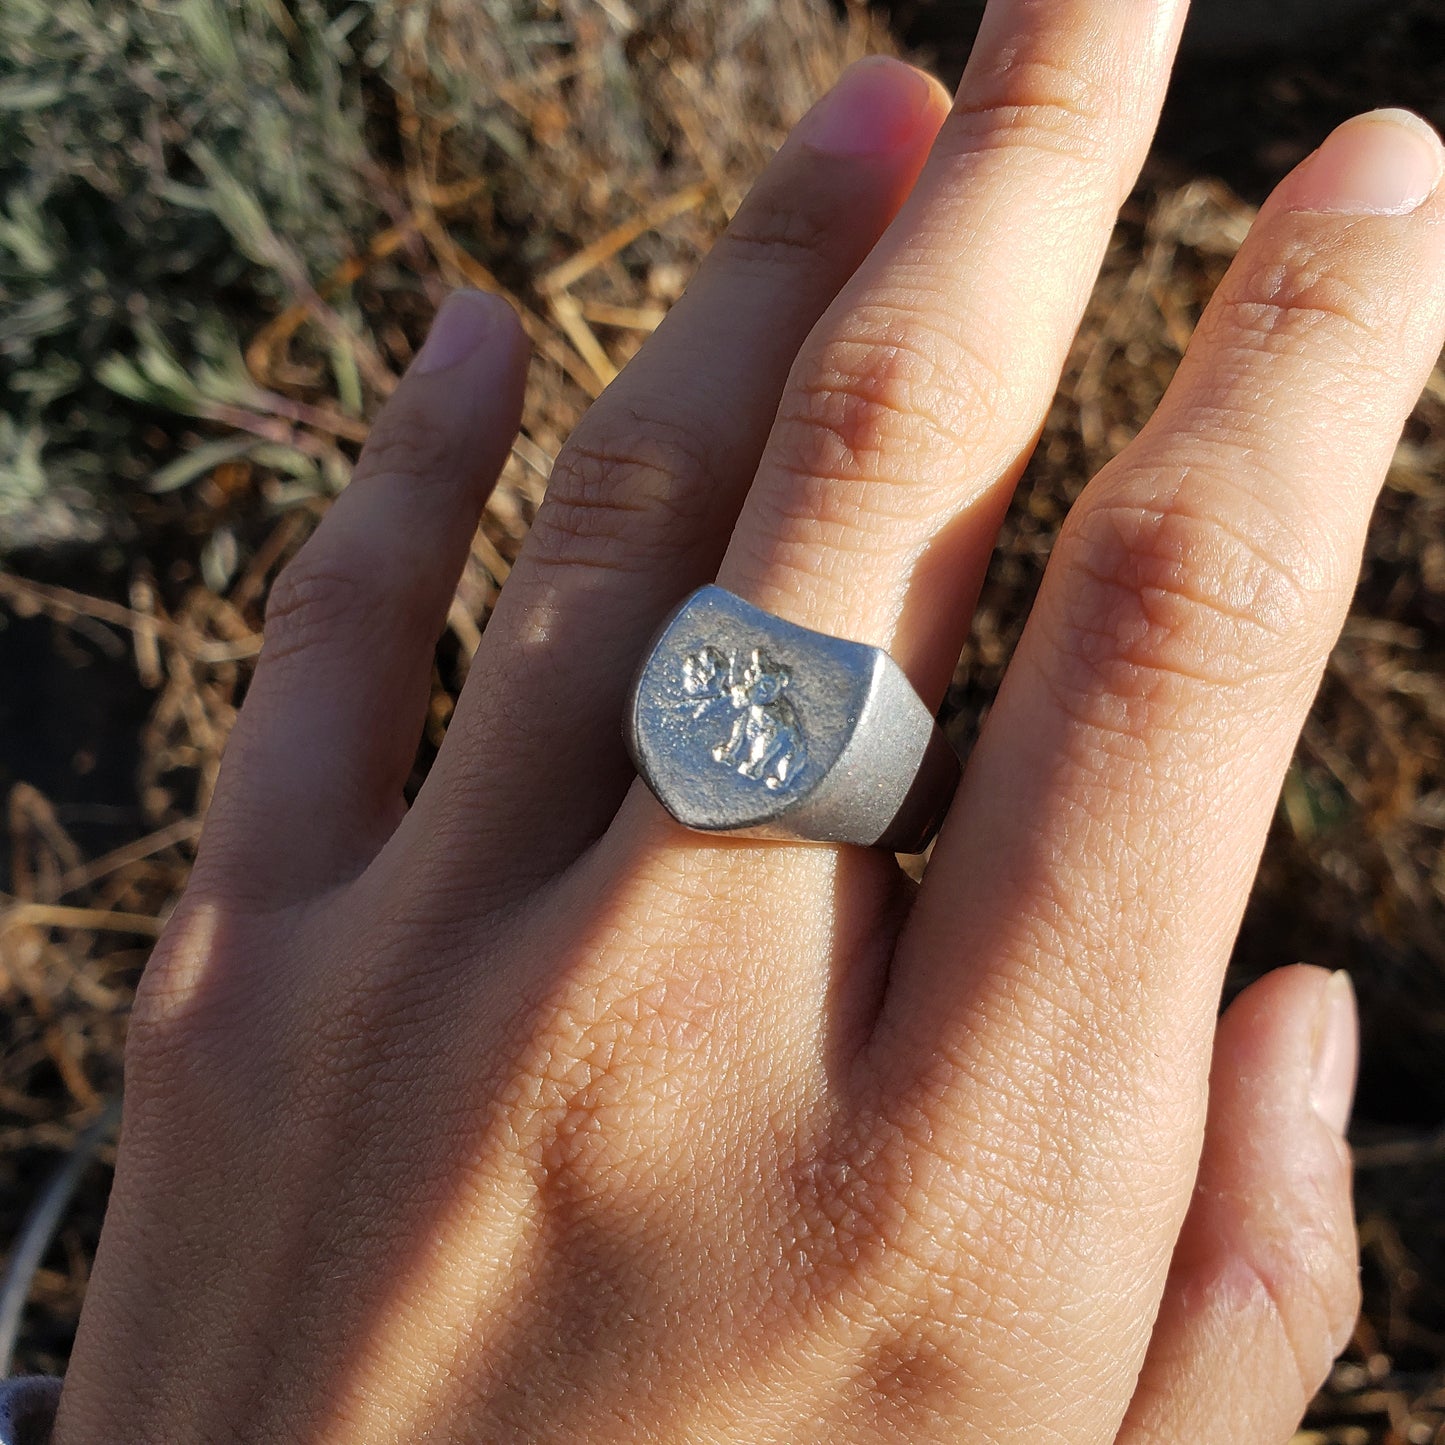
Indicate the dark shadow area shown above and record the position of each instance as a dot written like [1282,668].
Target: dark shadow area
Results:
[1258,86]
[71,715]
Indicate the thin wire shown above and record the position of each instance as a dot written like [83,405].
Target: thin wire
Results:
[40,1227]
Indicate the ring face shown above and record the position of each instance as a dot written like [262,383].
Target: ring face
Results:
[741,694]
[743,723]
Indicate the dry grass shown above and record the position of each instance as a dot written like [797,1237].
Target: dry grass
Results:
[582,159]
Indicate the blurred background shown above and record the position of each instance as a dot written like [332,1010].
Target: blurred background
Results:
[224,226]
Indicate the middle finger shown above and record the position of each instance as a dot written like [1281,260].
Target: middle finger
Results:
[909,413]
[643,496]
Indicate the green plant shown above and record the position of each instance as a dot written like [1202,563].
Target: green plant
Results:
[169,171]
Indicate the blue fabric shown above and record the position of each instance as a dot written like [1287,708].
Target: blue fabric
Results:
[27,1409]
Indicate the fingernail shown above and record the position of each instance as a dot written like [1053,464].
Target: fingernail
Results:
[874,108]
[1386,163]
[1337,1049]
[465,320]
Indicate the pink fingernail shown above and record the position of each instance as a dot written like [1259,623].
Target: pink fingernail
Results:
[1386,163]
[874,108]
[1337,1050]
[465,320]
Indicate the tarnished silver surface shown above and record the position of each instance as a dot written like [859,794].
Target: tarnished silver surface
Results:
[743,723]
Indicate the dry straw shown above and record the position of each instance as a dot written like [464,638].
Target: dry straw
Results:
[580,156]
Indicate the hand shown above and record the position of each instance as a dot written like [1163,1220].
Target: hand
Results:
[525,1115]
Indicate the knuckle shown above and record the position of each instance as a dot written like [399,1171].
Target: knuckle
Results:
[311,601]
[161,1057]
[1300,300]
[1169,590]
[337,597]
[412,445]
[1308,1300]
[623,492]
[189,1004]
[852,1203]
[1037,104]
[890,387]
[588,1110]
[914,1374]
[780,225]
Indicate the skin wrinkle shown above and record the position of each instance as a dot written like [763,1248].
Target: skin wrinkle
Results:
[860,401]
[632,458]
[773,230]
[1204,486]
[308,602]
[603,496]
[859,409]
[592,1159]
[1099,83]
[1129,729]
[1163,611]
[829,514]
[1047,129]
[1297,288]
[1160,594]
[1293,1253]
[416,456]
[1081,93]
[1285,328]
[1303,306]
[1243,1294]
[1243,385]
[821,566]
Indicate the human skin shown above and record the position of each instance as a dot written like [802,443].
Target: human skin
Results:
[524,1114]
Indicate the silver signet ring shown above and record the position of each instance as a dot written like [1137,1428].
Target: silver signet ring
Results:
[743,723]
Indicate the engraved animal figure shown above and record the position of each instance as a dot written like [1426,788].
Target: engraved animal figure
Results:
[765,738]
